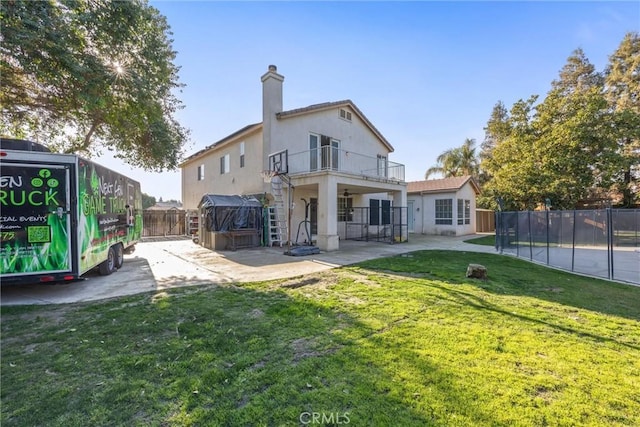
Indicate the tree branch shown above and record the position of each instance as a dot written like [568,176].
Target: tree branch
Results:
[87,138]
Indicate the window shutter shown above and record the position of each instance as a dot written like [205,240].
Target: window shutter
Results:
[374,212]
[386,212]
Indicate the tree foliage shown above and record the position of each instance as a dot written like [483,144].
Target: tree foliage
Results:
[79,75]
[574,144]
[147,201]
[622,90]
[457,161]
[512,163]
[577,144]
[622,75]
[497,130]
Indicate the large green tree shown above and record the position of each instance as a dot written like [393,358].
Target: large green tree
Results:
[566,148]
[496,131]
[577,146]
[513,164]
[457,161]
[85,75]
[622,90]
[147,201]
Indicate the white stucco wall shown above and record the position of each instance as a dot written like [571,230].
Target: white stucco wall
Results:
[293,134]
[241,181]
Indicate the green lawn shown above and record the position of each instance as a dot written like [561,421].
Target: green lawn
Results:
[488,240]
[402,341]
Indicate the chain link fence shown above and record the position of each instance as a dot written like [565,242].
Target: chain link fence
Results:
[602,243]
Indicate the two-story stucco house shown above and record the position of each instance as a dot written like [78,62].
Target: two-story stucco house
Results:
[333,159]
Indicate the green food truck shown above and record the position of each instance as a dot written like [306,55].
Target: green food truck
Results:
[62,215]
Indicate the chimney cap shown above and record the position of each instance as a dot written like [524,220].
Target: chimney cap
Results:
[272,73]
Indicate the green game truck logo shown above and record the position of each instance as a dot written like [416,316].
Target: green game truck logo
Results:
[41,191]
[32,237]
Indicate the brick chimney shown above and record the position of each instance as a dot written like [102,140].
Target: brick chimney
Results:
[271,104]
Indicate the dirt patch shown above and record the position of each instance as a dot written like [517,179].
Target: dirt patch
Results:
[389,273]
[256,313]
[30,348]
[544,393]
[54,316]
[318,281]
[301,283]
[304,348]
[360,278]
[261,364]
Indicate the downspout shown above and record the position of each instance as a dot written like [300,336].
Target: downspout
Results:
[422,198]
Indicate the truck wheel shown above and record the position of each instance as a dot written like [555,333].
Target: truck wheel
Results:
[109,265]
[119,256]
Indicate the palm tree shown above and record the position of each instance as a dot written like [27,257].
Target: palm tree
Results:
[468,159]
[456,161]
[446,164]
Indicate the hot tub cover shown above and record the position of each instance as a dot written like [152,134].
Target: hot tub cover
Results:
[226,213]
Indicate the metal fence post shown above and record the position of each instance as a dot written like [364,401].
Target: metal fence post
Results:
[573,242]
[517,234]
[547,226]
[561,221]
[607,214]
[530,236]
[496,220]
[501,219]
[610,241]
[499,225]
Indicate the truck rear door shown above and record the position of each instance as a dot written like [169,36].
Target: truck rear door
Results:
[35,223]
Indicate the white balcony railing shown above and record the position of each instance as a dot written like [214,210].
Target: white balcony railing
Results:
[335,159]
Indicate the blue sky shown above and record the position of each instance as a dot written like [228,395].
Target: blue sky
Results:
[426,74]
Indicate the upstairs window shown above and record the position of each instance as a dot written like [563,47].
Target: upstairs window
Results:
[383,164]
[242,154]
[324,152]
[200,172]
[224,164]
[345,115]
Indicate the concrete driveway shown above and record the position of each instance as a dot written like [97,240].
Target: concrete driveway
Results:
[159,265]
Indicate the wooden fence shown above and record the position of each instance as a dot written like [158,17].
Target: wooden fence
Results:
[171,222]
[485,221]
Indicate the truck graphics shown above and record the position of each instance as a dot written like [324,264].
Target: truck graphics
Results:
[62,215]
[34,240]
[110,212]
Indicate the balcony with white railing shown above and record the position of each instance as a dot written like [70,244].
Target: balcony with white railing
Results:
[328,158]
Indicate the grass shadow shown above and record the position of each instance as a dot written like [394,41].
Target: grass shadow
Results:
[219,355]
[512,276]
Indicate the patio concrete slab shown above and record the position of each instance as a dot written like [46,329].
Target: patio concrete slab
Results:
[165,264]
[160,265]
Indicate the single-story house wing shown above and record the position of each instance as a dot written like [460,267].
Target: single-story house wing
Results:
[442,206]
